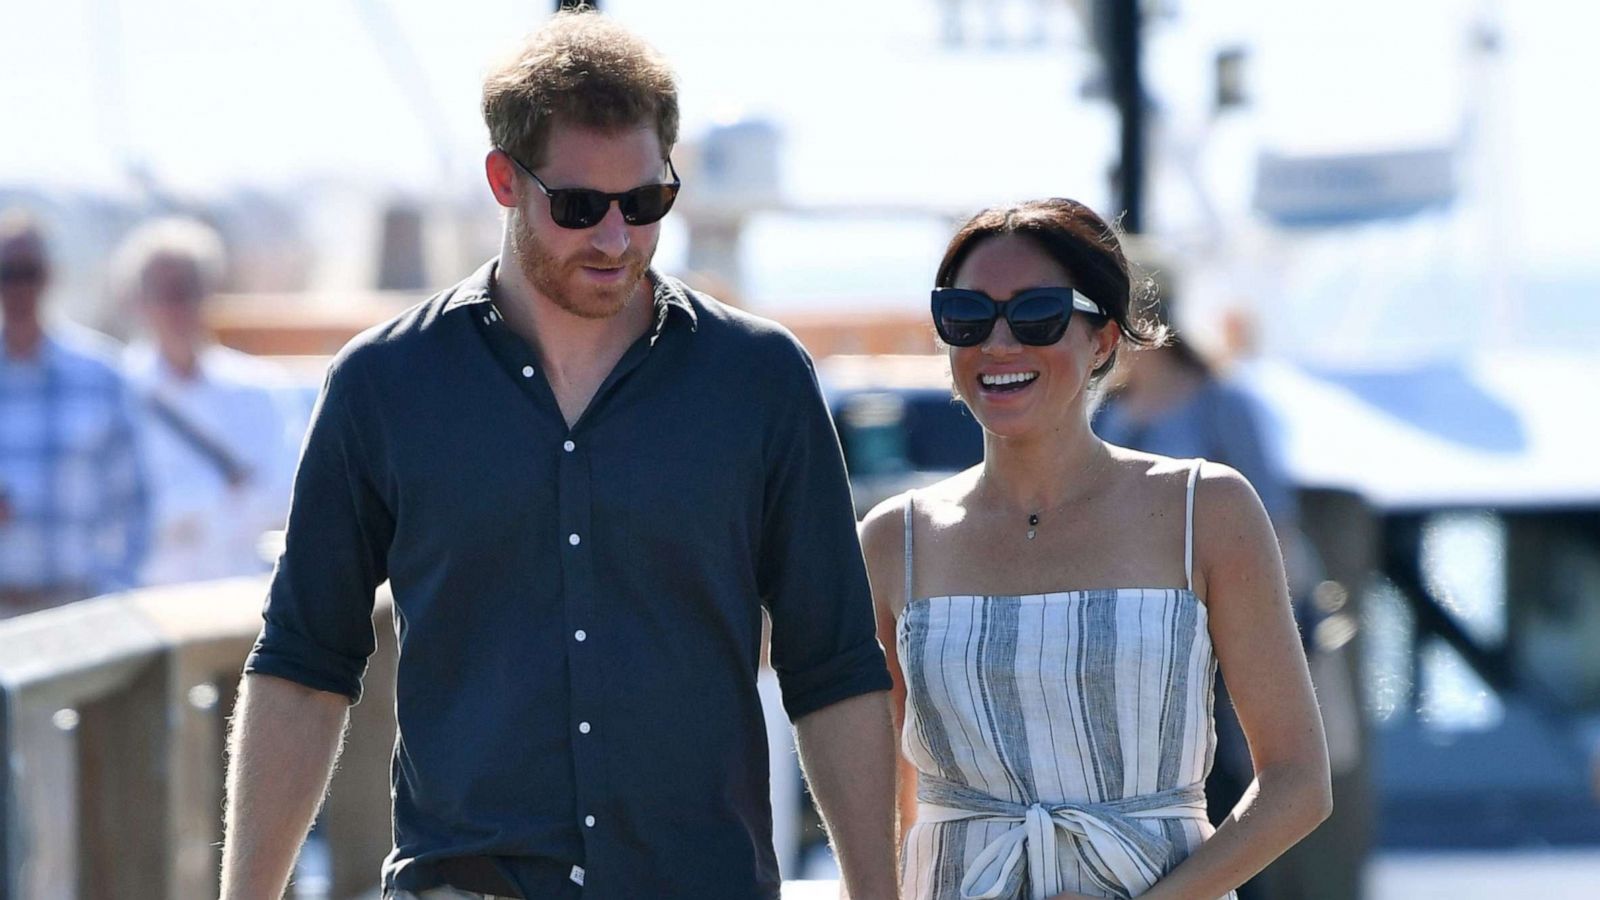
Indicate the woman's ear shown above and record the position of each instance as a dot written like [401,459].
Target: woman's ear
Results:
[1106,339]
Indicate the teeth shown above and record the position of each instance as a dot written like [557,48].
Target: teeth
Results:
[1008,378]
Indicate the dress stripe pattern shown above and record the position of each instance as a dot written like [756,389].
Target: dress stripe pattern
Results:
[1061,739]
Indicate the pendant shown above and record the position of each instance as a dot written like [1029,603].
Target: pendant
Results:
[1033,525]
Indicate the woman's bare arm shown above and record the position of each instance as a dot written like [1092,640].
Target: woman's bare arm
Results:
[1240,576]
[883,544]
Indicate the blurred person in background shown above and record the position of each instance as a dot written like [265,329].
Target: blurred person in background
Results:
[1170,400]
[74,514]
[1058,612]
[220,439]
[585,484]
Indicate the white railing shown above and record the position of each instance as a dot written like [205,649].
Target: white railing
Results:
[113,725]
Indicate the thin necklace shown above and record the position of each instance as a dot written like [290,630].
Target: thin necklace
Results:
[1033,518]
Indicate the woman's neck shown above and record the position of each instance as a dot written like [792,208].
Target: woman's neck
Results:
[1046,471]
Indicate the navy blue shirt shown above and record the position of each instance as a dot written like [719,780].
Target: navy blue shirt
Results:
[579,610]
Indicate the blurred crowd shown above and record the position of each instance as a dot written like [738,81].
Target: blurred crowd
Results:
[166,460]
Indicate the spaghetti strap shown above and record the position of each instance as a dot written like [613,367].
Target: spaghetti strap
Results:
[906,598]
[1188,525]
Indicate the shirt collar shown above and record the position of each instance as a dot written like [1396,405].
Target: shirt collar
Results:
[669,294]
[144,358]
[49,353]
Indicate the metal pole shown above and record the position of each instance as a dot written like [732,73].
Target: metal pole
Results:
[1123,46]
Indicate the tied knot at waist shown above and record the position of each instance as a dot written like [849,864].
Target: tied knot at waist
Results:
[1120,857]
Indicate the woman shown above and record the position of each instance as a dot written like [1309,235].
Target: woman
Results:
[1051,614]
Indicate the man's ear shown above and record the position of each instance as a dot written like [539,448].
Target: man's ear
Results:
[502,175]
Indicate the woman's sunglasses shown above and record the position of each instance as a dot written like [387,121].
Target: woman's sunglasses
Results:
[1037,316]
[584,208]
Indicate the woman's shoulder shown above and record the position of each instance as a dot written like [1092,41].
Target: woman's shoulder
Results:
[1231,527]
[881,522]
[1217,485]
[1225,500]
[1140,466]
[883,527]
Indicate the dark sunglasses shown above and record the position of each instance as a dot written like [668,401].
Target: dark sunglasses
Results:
[1037,316]
[584,207]
[24,272]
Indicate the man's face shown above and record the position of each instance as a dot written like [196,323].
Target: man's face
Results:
[171,289]
[588,272]
[23,275]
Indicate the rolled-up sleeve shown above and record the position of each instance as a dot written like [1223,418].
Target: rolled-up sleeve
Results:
[318,615]
[811,574]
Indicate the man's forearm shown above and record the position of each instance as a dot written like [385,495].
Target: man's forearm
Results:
[847,750]
[284,741]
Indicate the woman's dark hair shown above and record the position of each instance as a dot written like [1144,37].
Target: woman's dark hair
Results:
[1081,242]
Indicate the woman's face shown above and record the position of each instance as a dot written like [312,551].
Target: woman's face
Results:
[1017,390]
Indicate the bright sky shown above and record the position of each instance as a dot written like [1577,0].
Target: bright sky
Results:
[215,93]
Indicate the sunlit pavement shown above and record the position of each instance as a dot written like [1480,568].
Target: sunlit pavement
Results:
[1551,875]
[811,890]
[1548,875]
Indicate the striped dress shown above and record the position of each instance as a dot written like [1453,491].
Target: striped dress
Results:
[1061,740]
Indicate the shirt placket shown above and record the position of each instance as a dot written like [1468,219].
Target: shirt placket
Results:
[585,626]
[586,644]
[585,636]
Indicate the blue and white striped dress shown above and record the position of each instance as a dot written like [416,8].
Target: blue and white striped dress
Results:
[1061,740]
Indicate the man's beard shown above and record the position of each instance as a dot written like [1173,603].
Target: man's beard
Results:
[563,281]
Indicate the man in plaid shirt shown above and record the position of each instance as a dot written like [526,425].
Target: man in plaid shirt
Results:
[73,508]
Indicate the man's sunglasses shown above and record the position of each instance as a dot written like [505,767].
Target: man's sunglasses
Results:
[1037,316]
[584,208]
[21,272]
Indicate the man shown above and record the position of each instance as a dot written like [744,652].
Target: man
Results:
[220,437]
[73,513]
[584,484]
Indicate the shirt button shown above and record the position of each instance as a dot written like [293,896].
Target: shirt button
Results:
[580,635]
[527,371]
[573,539]
[589,821]
[569,446]
[583,727]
